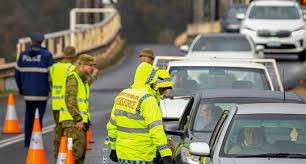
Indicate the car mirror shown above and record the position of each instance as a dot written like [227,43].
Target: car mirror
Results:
[184,48]
[199,149]
[240,16]
[173,129]
[304,16]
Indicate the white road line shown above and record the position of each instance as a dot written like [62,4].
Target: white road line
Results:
[20,137]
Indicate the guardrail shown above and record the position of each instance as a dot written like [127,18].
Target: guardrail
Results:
[85,38]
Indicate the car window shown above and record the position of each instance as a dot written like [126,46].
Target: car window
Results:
[235,10]
[256,134]
[222,44]
[189,79]
[274,12]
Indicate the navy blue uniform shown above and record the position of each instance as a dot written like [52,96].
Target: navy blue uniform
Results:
[32,78]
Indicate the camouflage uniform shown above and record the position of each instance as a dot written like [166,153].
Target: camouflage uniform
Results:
[69,55]
[69,127]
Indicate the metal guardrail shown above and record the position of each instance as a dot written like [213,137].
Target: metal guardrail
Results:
[85,39]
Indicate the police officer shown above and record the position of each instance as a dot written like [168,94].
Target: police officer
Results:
[75,117]
[146,55]
[32,80]
[135,130]
[58,74]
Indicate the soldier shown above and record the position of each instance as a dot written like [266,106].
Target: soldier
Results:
[58,75]
[75,117]
[146,55]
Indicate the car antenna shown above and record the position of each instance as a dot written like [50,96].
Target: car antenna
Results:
[284,85]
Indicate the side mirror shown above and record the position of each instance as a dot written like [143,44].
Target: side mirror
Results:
[199,149]
[259,48]
[304,16]
[173,129]
[184,48]
[240,16]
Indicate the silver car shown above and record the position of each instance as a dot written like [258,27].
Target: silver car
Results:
[257,133]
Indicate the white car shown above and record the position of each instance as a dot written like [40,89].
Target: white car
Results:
[192,74]
[223,46]
[277,25]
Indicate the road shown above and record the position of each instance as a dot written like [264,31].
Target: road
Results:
[103,92]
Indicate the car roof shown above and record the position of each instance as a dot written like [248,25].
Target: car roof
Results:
[275,2]
[271,108]
[216,35]
[216,63]
[264,94]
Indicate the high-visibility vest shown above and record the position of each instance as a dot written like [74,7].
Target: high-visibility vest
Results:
[135,128]
[82,101]
[58,74]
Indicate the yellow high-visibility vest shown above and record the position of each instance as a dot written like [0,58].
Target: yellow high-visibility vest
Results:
[82,102]
[58,74]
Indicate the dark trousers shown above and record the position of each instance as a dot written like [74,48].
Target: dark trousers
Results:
[31,107]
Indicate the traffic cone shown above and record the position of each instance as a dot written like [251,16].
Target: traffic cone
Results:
[62,153]
[69,159]
[11,123]
[36,153]
[90,136]
[87,141]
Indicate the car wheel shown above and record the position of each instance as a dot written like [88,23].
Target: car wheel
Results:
[302,56]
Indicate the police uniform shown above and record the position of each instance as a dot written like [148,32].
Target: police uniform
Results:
[135,130]
[77,109]
[58,75]
[32,79]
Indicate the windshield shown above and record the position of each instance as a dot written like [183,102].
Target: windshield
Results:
[266,135]
[220,43]
[188,79]
[274,12]
[235,10]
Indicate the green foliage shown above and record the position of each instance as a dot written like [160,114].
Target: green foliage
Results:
[20,17]
[152,21]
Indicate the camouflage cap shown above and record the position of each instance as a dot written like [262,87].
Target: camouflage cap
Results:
[86,59]
[147,52]
[69,52]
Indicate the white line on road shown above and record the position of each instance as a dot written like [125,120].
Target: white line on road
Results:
[20,137]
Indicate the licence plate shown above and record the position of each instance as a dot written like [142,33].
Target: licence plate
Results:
[274,44]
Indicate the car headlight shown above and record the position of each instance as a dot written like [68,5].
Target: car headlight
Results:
[247,28]
[188,158]
[299,30]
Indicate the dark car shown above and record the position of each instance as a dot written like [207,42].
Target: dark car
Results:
[230,22]
[204,109]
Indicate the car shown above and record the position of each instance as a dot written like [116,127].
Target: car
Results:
[230,23]
[223,45]
[277,25]
[266,133]
[191,74]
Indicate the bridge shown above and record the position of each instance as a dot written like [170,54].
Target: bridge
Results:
[117,63]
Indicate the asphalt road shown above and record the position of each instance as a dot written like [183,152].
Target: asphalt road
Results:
[103,92]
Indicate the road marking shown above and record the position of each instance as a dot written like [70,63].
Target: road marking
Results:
[20,137]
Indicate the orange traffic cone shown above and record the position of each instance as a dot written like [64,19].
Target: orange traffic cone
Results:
[62,153]
[88,139]
[36,152]
[69,159]
[90,136]
[11,123]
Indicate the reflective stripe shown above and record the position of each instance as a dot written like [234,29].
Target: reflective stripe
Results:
[162,147]
[57,86]
[112,121]
[132,130]
[150,78]
[140,102]
[58,97]
[32,69]
[81,112]
[68,68]
[161,81]
[128,115]
[124,161]
[155,123]
[36,98]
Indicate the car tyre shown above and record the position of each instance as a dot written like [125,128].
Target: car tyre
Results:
[302,56]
